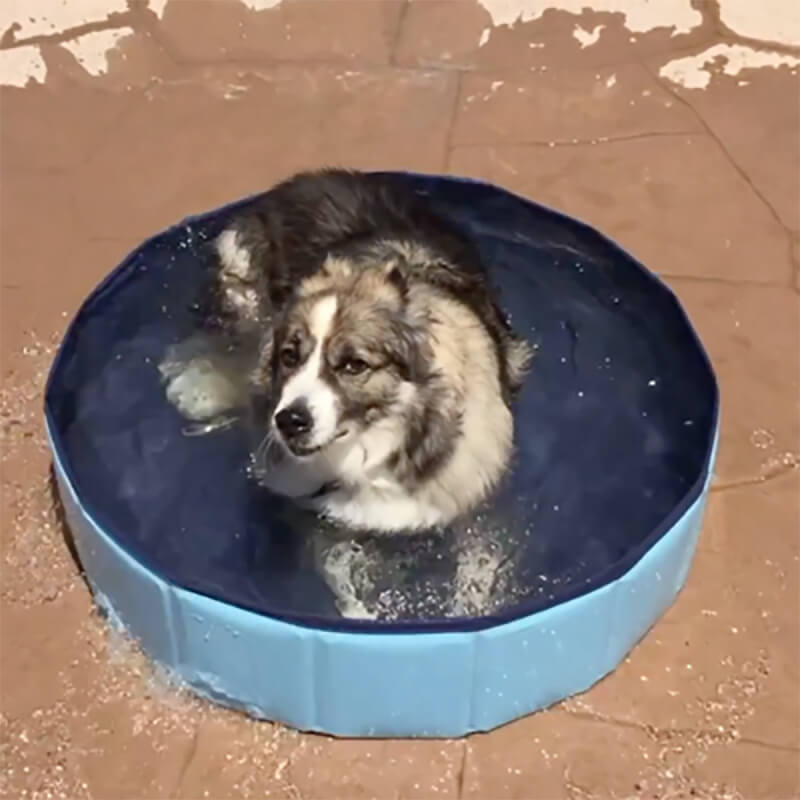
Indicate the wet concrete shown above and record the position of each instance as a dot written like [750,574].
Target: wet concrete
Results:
[673,129]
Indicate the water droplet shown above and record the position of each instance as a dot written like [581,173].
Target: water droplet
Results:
[761,439]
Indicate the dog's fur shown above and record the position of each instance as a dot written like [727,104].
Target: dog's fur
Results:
[379,345]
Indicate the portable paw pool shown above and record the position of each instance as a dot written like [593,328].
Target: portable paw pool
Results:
[592,534]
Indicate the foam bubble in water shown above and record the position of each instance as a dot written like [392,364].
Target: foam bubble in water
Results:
[761,439]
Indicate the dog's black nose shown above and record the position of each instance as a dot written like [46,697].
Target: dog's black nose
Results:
[294,420]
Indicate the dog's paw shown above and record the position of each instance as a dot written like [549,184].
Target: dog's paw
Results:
[198,390]
[240,299]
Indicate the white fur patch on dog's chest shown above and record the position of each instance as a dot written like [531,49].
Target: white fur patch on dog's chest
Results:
[383,504]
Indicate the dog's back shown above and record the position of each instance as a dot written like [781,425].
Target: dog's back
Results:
[299,222]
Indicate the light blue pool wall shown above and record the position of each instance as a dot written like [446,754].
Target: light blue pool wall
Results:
[382,684]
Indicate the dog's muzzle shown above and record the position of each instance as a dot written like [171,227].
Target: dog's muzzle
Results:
[295,425]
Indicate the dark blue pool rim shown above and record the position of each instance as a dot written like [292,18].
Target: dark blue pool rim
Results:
[522,609]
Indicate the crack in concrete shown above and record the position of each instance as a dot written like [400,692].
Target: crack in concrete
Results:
[778,748]
[190,756]
[686,103]
[658,734]
[759,480]
[731,160]
[616,722]
[598,140]
[451,124]
[748,282]
[401,18]
[461,778]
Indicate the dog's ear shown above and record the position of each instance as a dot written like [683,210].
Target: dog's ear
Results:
[449,277]
[396,272]
[334,267]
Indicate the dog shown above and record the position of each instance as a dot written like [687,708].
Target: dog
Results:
[366,324]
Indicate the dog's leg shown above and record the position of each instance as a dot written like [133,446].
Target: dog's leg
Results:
[344,566]
[476,574]
[241,274]
[202,384]
[243,294]
[211,377]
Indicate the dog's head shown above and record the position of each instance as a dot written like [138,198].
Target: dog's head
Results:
[347,354]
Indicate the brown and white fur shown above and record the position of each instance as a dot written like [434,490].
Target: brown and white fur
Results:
[389,366]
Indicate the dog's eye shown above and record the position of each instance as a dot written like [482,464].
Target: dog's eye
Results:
[290,357]
[353,366]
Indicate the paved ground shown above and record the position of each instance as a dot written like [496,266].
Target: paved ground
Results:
[671,125]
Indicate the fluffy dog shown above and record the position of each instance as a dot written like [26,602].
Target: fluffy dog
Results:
[388,369]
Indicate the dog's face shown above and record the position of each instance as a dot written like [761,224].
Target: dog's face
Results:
[345,356]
